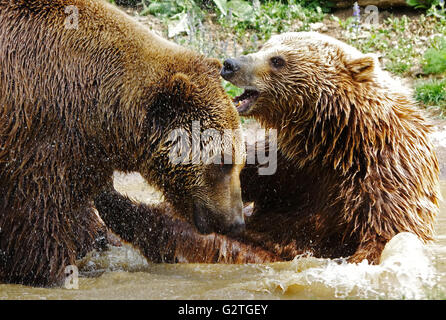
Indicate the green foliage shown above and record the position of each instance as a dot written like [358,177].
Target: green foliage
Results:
[239,8]
[392,40]
[242,24]
[344,24]
[434,8]
[422,4]
[223,5]
[434,60]
[432,93]
[231,90]
[401,57]
[266,18]
[169,9]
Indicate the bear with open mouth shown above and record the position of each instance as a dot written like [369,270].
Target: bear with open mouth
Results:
[355,166]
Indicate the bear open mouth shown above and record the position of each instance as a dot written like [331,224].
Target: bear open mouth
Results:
[244,102]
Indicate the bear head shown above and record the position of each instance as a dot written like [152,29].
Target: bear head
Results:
[294,71]
[199,149]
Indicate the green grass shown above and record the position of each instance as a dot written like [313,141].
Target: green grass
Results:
[432,93]
[401,57]
[392,41]
[435,58]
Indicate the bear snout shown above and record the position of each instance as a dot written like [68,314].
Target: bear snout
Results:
[238,226]
[207,220]
[230,67]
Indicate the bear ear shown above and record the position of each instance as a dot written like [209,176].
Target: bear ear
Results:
[214,64]
[181,87]
[362,68]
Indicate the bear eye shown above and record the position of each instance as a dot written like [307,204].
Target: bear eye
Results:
[277,62]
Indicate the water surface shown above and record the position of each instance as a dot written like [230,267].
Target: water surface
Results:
[408,270]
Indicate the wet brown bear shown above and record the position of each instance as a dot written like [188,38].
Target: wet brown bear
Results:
[360,166]
[355,166]
[85,95]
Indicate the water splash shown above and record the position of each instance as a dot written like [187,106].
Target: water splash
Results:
[405,272]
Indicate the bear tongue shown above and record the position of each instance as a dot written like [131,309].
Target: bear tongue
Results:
[242,105]
[244,101]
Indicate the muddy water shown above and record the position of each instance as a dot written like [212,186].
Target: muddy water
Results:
[408,270]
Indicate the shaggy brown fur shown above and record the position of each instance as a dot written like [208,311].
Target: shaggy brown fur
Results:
[357,144]
[355,166]
[77,104]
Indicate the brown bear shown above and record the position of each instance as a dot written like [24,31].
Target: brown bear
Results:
[354,165]
[361,167]
[85,90]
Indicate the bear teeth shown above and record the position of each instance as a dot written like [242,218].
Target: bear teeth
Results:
[245,100]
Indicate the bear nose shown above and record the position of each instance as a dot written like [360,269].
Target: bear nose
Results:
[230,67]
[237,227]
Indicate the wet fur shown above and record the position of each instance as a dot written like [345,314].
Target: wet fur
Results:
[77,104]
[359,149]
